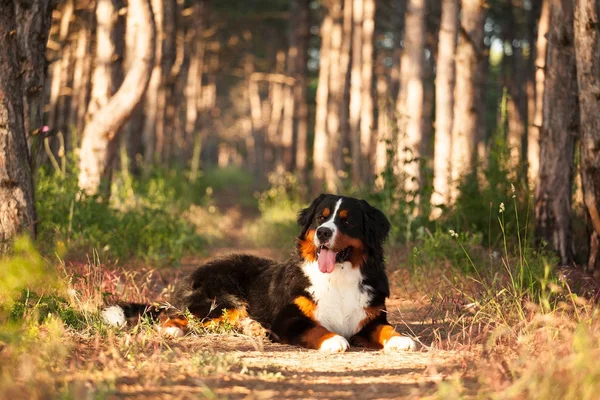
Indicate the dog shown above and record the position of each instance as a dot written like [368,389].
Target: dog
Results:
[329,294]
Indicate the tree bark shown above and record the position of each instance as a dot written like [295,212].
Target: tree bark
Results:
[410,98]
[560,127]
[151,111]
[367,142]
[22,76]
[468,84]
[535,123]
[300,8]
[587,51]
[444,92]
[515,82]
[101,130]
[335,98]
[356,91]
[322,163]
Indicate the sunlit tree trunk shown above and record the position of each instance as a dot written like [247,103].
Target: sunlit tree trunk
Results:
[516,84]
[335,99]
[276,103]
[287,126]
[165,124]
[300,9]
[384,120]
[587,51]
[410,98]
[257,120]
[444,87]
[24,32]
[465,131]
[101,130]
[82,71]
[151,104]
[193,91]
[356,91]
[560,126]
[367,139]
[60,69]
[102,77]
[321,151]
[535,123]
[134,127]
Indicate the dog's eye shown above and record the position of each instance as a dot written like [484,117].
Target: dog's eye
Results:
[347,222]
[320,218]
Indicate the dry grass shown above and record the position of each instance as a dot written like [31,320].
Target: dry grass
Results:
[473,345]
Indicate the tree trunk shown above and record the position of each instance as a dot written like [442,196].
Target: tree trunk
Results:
[321,150]
[444,92]
[410,98]
[587,51]
[101,130]
[367,142]
[300,8]
[193,91]
[356,91]
[164,123]
[33,20]
[133,129]
[22,76]
[465,132]
[559,130]
[151,111]
[535,123]
[82,70]
[515,82]
[335,99]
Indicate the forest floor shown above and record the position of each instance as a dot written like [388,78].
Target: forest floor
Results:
[236,363]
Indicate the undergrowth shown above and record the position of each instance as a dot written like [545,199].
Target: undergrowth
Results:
[146,226]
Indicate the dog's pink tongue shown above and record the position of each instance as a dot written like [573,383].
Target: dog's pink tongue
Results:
[327,261]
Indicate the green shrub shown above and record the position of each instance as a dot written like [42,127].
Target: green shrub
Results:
[81,223]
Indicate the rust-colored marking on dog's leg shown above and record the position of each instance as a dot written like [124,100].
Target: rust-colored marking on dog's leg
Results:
[314,337]
[382,333]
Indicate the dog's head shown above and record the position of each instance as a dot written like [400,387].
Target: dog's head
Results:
[336,229]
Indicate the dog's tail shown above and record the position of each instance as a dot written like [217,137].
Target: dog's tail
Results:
[167,319]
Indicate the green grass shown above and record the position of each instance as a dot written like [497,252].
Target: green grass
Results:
[152,229]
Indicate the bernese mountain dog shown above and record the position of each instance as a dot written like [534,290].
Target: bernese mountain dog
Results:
[331,293]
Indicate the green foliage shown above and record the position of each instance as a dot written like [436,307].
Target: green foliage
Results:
[279,206]
[23,268]
[43,307]
[148,230]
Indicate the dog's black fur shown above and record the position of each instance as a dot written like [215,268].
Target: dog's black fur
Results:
[278,296]
[267,289]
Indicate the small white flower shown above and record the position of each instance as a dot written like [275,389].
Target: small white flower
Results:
[512,188]
[502,208]
[453,233]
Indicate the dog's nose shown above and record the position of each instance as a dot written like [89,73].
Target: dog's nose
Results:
[324,234]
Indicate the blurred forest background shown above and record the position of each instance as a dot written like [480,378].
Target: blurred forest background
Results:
[136,134]
[436,111]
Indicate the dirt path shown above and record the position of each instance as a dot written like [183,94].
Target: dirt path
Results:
[257,368]
[234,365]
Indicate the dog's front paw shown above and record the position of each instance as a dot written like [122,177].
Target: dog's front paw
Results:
[400,343]
[335,344]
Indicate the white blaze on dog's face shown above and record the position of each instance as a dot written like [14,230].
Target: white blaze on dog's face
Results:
[324,238]
[337,229]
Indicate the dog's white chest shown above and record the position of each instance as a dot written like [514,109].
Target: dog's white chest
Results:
[340,300]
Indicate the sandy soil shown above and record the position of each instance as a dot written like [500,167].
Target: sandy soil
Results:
[261,369]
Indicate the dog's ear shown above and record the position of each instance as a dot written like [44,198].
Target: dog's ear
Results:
[306,216]
[376,225]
